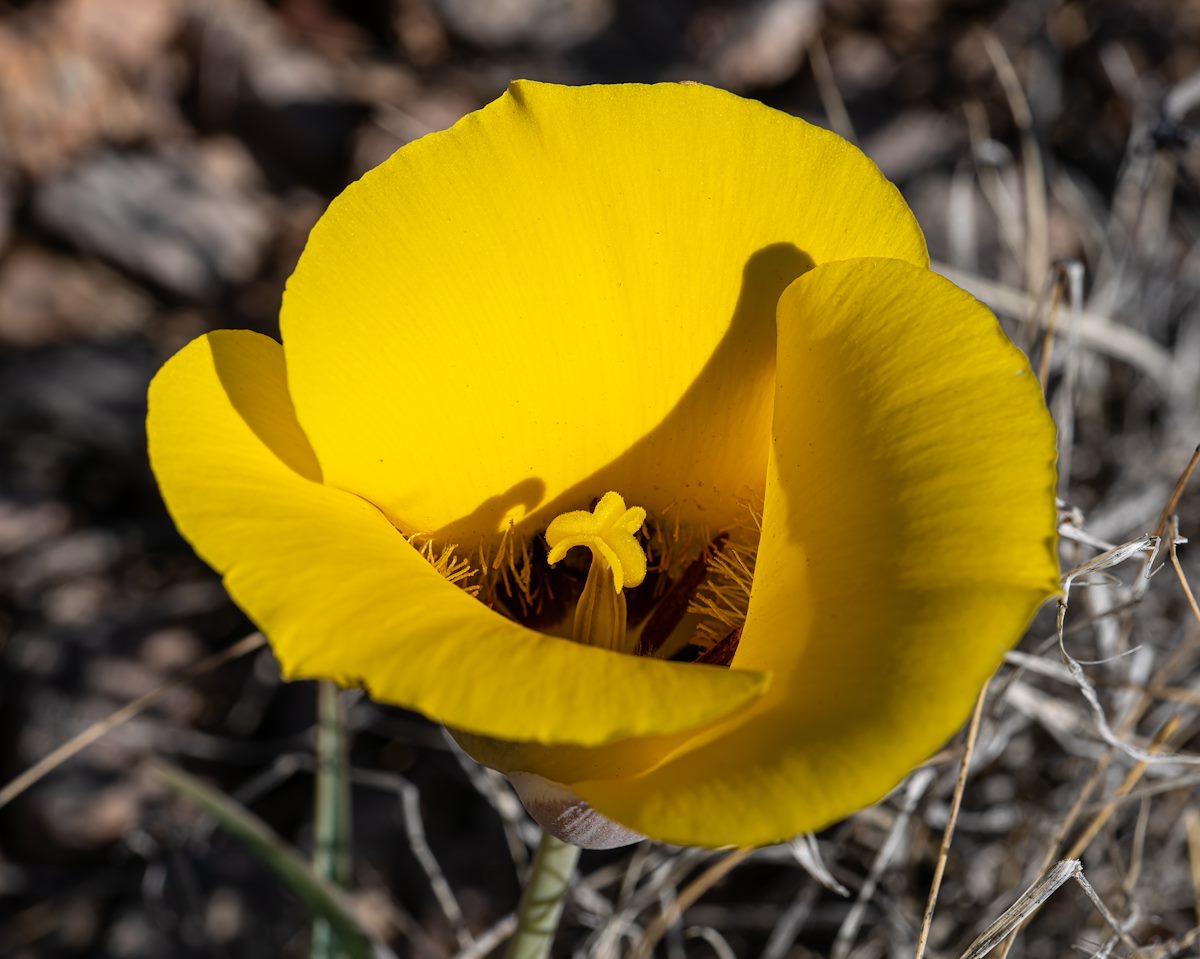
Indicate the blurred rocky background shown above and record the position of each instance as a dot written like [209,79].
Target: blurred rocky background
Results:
[161,162]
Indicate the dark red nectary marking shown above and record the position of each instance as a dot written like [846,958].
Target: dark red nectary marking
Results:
[721,653]
[671,609]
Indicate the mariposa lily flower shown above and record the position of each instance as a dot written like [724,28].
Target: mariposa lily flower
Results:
[625,430]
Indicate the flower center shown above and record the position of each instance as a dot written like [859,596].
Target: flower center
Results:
[695,585]
[618,561]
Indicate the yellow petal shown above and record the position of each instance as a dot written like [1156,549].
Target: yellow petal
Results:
[570,291]
[908,538]
[343,596]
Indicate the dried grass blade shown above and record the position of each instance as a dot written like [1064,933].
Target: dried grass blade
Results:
[693,891]
[1026,905]
[1131,779]
[918,784]
[1179,573]
[1037,220]
[98,730]
[808,855]
[1032,899]
[1096,331]
[960,786]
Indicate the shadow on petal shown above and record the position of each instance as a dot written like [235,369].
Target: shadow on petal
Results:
[273,422]
[709,454]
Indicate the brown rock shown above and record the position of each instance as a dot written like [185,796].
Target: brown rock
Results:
[766,44]
[64,84]
[46,297]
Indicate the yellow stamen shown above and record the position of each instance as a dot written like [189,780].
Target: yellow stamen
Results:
[618,561]
[448,563]
[506,568]
[724,597]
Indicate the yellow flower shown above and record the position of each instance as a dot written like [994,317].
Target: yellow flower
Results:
[719,313]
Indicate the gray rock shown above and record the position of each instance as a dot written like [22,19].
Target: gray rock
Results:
[160,216]
[544,23]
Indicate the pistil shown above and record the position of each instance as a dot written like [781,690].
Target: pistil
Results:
[618,562]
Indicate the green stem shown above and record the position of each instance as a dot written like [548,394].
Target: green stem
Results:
[315,892]
[542,900]
[331,826]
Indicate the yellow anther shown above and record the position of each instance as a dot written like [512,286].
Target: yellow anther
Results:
[608,531]
[618,560]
